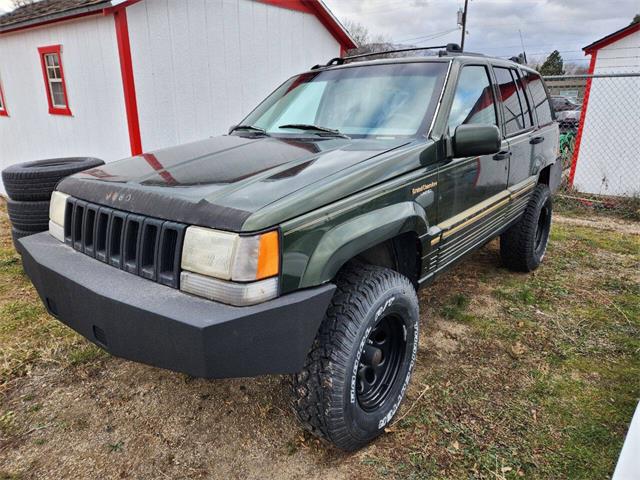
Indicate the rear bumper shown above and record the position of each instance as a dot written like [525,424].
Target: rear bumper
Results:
[140,320]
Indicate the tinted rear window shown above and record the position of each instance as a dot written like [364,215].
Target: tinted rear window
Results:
[524,99]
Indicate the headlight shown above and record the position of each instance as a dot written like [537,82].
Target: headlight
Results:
[57,208]
[230,258]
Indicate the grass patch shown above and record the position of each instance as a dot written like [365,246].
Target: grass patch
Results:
[535,375]
[456,308]
[86,354]
[584,205]
[542,387]
[29,337]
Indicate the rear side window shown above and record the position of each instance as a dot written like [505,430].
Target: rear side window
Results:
[473,101]
[539,98]
[513,117]
[524,99]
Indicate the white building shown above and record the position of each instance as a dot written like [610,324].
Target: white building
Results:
[112,78]
[606,157]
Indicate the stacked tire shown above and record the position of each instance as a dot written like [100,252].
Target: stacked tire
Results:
[29,186]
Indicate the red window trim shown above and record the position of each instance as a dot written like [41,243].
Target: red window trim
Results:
[57,49]
[3,110]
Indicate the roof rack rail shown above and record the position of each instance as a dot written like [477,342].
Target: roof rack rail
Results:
[449,48]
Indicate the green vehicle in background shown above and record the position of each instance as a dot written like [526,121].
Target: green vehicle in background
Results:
[296,243]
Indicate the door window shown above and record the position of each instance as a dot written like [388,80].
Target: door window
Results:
[473,101]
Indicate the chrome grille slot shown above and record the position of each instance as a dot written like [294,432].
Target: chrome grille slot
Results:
[144,246]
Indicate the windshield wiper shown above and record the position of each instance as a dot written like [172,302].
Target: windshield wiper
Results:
[251,128]
[315,128]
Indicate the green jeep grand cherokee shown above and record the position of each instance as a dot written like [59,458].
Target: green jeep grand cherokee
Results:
[296,243]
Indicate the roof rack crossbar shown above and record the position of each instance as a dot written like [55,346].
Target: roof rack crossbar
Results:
[450,47]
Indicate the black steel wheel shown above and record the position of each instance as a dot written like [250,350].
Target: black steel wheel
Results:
[359,367]
[380,363]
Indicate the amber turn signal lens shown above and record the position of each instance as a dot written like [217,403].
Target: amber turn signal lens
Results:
[268,255]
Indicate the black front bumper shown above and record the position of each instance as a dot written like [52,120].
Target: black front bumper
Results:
[140,320]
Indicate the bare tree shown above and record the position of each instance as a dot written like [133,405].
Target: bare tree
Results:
[366,41]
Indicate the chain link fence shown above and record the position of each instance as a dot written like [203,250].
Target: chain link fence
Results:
[599,118]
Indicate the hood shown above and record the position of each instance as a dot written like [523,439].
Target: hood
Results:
[221,181]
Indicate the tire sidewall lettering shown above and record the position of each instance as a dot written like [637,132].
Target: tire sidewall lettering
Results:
[379,419]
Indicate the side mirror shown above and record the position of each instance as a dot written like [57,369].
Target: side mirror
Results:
[476,139]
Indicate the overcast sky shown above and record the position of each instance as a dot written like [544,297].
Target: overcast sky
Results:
[546,25]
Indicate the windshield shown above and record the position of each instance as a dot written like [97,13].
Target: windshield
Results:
[373,100]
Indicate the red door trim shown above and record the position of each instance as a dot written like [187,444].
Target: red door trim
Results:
[128,82]
[583,117]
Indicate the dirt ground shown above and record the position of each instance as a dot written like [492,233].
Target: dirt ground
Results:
[519,375]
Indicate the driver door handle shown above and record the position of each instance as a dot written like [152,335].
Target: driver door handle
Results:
[536,140]
[503,155]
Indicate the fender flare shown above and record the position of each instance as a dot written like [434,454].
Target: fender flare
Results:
[346,240]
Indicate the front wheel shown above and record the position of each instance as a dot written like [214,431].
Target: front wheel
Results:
[359,367]
[523,246]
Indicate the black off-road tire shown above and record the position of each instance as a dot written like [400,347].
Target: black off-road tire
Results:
[35,181]
[29,216]
[523,246]
[15,235]
[326,393]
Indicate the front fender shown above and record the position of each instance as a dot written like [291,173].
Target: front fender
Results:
[346,240]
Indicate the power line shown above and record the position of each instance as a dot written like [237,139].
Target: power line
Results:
[427,37]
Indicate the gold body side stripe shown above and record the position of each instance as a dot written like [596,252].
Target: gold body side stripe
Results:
[484,208]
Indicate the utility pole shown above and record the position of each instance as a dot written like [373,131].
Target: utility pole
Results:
[464,23]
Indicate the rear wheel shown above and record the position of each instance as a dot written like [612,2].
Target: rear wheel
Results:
[524,245]
[360,364]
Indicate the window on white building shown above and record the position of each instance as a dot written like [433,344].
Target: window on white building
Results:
[54,80]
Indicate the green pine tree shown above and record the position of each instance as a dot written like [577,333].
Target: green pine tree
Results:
[553,64]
